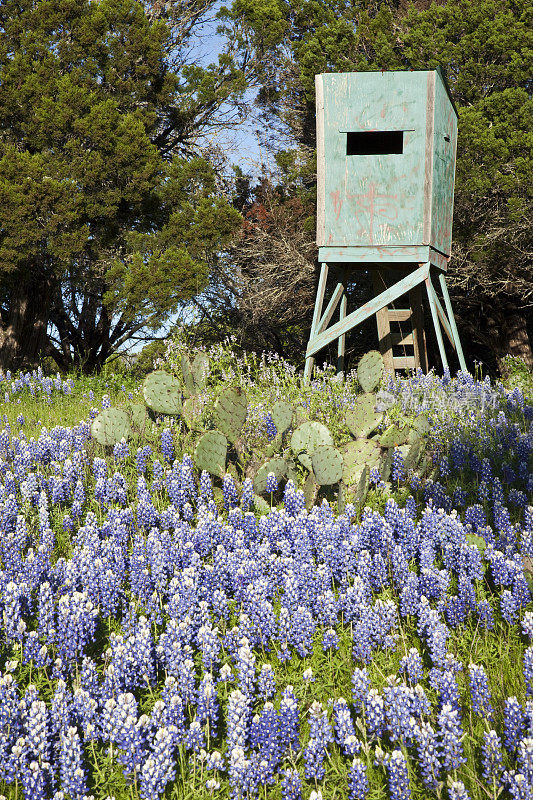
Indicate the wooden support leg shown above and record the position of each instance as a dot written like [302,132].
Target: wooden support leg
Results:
[310,361]
[419,335]
[342,337]
[383,323]
[436,323]
[451,320]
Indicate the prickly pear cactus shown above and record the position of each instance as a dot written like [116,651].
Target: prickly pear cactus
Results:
[356,455]
[328,464]
[230,412]
[369,370]
[162,393]
[192,408]
[111,426]
[394,436]
[385,466]
[276,465]
[200,371]
[282,414]
[138,416]
[188,380]
[261,505]
[306,438]
[310,490]
[414,454]
[210,453]
[362,487]
[362,419]
[421,424]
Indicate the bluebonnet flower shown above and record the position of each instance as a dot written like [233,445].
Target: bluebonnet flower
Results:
[207,707]
[330,640]
[160,766]
[479,691]
[398,776]
[358,786]
[398,465]
[71,768]
[266,683]
[458,791]
[491,756]
[291,785]
[238,718]
[167,445]
[271,429]
[246,669]
[289,720]
[412,666]
[231,496]
[518,785]
[524,758]
[247,494]
[485,615]
[427,746]
[344,728]
[528,670]
[514,722]
[374,713]
[451,733]
[271,483]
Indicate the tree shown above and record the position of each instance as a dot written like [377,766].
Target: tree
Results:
[485,49]
[104,229]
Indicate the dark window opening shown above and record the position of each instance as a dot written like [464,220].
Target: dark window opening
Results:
[373,143]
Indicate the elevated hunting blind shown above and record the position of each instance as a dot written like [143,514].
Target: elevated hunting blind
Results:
[386,144]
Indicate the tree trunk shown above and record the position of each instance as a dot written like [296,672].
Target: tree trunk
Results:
[23,335]
[509,335]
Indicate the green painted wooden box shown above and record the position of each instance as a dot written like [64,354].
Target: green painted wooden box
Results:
[386,144]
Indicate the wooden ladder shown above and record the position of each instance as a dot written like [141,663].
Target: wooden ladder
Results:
[392,337]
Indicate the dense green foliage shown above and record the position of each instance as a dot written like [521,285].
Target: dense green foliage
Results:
[103,231]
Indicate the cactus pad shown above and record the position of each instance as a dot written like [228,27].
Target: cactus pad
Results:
[356,455]
[210,453]
[362,419]
[188,380]
[138,416]
[479,542]
[369,370]
[276,465]
[310,490]
[261,505]
[282,414]
[230,412]
[421,424]
[200,370]
[111,426]
[162,393]
[362,486]
[328,464]
[309,435]
[385,467]
[394,436]
[192,408]
[414,454]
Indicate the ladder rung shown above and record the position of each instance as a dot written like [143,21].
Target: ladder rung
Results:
[405,362]
[399,339]
[399,314]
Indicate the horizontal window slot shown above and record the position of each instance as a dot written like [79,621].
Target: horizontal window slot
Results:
[373,143]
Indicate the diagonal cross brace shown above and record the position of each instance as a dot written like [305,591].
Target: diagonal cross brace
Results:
[356,317]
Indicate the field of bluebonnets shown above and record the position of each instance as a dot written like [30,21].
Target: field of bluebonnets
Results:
[162,641]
